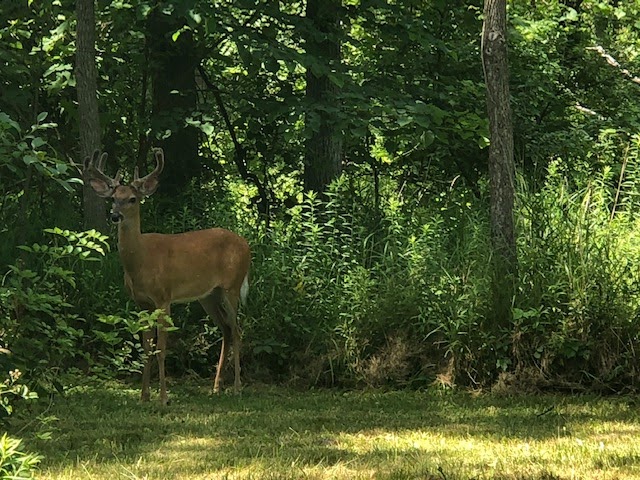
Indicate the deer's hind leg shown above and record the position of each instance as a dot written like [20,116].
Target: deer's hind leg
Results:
[162,353]
[223,312]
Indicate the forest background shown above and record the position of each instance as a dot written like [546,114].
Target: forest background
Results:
[384,277]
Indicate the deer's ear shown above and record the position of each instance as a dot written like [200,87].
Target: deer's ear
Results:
[148,186]
[102,188]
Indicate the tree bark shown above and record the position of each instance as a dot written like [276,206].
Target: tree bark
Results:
[88,116]
[501,162]
[174,98]
[323,149]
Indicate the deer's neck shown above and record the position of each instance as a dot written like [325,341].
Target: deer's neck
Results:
[130,244]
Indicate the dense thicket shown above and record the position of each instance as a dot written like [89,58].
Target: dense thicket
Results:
[384,278]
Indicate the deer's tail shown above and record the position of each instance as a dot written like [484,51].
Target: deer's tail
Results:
[244,290]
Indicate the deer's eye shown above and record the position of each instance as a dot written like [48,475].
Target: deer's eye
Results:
[132,200]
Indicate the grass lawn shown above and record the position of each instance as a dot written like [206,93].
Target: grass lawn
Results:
[103,432]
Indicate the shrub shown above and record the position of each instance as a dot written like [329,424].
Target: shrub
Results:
[37,319]
[342,295]
[14,463]
[579,300]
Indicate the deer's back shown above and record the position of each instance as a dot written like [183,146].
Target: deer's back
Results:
[187,266]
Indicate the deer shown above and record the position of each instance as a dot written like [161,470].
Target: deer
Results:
[210,266]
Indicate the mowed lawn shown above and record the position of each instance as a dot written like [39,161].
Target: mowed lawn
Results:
[104,432]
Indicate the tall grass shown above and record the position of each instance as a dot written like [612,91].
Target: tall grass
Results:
[344,294]
[349,295]
[578,305]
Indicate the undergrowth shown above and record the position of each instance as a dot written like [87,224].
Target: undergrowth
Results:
[350,292]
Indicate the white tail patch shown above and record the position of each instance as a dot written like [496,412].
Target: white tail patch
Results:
[244,290]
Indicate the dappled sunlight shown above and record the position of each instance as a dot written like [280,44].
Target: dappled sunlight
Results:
[189,443]
[483,456]
[283,434]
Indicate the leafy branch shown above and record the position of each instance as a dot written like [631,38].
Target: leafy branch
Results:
[240,156]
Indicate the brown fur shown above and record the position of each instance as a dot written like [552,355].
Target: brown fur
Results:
[210,266]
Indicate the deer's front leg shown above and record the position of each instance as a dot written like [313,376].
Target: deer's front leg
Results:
[162,345]
[147,346]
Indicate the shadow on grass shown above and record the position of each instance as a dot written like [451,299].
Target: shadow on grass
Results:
[200,433]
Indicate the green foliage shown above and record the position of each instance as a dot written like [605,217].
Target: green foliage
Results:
[35,40]
[361,296]
[336,286]
[580,286]
[22,151]
[38,323]
[13,389]
[15,463]
[565,93]
[120,350]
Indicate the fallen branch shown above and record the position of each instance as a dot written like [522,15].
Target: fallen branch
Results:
[614,63]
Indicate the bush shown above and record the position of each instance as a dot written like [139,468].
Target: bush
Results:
[37,318]
[580,290]
[344,295]
[14,463]
[13,389]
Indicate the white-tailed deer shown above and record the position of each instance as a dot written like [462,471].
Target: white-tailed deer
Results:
[211,266]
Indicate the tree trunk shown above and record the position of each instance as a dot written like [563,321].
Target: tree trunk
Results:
[174,98]
[323,149]
[86,78]
[501,162]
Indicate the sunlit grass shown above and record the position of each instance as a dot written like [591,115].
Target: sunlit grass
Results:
[104,432]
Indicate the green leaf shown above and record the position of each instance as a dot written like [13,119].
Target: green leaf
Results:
[483,142]
[405,120]
[570,16]
[38,142]
[5,119]
[30,159]
[196,17]
[337,80]
[177,34]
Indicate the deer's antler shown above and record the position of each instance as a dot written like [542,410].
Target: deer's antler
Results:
[148,184]
[93,172]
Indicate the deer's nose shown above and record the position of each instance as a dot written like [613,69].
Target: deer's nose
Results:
[116,217]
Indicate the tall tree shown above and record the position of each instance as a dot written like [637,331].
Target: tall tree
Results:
[501,162]
[88,116]
[173,78]
[323,148]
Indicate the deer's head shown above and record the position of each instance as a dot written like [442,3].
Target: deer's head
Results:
[126,198]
